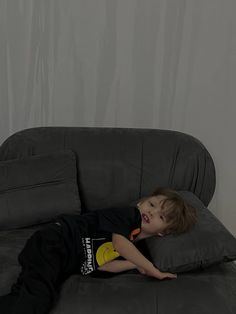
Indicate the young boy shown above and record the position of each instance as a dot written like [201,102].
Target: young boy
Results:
[82,244]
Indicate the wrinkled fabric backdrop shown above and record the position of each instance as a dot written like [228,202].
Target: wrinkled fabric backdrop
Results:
[168,64]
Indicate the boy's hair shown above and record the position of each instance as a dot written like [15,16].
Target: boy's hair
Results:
[180,216]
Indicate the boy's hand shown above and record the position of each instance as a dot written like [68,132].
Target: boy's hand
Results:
[156,273]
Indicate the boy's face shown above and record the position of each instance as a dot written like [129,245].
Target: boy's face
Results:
[153,222]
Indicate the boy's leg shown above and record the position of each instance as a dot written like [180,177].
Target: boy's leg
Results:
[7,302]
[43,260]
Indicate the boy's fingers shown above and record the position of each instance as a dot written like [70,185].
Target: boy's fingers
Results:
[169,275]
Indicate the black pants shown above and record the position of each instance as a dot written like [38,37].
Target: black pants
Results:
[44,261]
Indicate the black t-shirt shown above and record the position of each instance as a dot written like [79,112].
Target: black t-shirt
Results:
[90,234]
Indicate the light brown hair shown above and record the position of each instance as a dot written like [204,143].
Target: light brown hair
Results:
[180,216]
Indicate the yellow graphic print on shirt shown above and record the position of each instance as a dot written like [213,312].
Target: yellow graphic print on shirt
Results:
[106,253]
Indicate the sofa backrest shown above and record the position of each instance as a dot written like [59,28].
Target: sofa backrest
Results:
[116,166]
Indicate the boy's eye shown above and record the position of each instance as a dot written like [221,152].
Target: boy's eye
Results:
[151,204]
[162,217]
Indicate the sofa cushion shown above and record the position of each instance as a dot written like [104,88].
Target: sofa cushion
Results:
[36,189]
[208,242]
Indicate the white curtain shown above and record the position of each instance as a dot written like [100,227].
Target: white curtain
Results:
[168,64]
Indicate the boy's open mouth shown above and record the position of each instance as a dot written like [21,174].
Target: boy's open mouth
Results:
[145,218]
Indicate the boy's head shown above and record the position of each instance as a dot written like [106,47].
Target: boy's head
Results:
[164,212]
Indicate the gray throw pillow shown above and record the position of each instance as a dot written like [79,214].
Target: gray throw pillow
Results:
[209,242]
[37,188]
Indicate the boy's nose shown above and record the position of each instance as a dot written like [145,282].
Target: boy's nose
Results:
[153,211]
[150,212]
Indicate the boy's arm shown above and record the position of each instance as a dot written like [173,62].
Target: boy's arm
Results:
[126,249]
[117,266]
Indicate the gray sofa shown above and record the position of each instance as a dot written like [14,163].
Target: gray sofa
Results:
[113,167]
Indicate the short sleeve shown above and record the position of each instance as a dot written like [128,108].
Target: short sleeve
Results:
[119,220]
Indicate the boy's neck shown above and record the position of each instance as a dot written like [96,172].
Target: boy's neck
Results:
[141,236]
